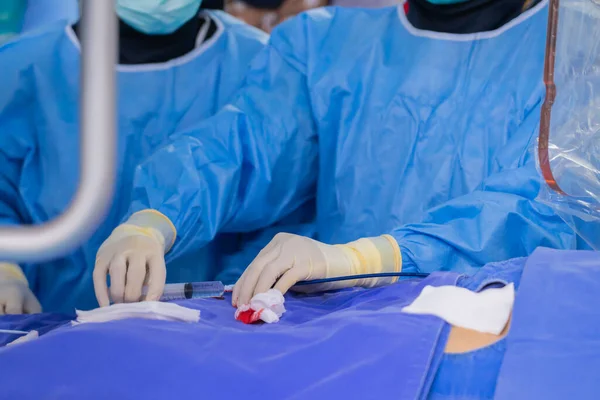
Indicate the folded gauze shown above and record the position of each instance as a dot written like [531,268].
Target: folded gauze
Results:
[487,311]
[144,310]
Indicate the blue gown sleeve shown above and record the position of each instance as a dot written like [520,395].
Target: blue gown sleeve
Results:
[498,222]
[233,263]
[251,164]
[16,140]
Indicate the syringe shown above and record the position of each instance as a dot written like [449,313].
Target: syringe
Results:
[190,290]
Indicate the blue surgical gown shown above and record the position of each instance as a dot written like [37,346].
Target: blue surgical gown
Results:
[40,13]
[39,136]
[390,129]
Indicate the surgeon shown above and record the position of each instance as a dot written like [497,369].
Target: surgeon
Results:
[415,145]
[177,66]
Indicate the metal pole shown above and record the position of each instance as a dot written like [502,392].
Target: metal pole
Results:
[88,208]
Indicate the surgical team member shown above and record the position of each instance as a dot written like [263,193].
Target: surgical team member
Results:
[176,67]
[415,144]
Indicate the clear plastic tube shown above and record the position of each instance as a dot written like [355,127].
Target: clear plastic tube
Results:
[365,276]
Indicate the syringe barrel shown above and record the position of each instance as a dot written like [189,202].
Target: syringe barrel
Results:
[192,290]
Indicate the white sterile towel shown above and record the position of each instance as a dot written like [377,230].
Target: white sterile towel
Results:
[487,311]
[144,310]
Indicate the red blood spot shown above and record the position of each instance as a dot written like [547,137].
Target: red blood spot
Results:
[246,317]
[249,316]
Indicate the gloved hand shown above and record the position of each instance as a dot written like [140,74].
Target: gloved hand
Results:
[288,259]
[15,295]
[134,256]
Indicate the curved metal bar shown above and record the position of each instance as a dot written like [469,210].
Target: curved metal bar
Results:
[97,149]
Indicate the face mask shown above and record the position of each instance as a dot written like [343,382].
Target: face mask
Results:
[157,17]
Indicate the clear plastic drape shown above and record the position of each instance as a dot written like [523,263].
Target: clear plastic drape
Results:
[569,143]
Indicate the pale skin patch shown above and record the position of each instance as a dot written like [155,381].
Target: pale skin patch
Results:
[463,340]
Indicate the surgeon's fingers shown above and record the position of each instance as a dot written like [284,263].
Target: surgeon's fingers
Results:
[252,274]
[289,279]
[100,287]
[241,282]
[14,305]
[236,290]
[32,305]
[272,271]
[136,272]
[157,276]
[118,275]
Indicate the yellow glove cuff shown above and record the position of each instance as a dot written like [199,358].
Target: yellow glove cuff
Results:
[375,255]
[153,224]
[13,271]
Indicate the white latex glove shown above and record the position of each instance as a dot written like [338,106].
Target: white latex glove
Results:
[134,256]
[288,259]
[15,295]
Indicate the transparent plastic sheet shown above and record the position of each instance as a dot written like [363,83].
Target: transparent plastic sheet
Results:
[569,143]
